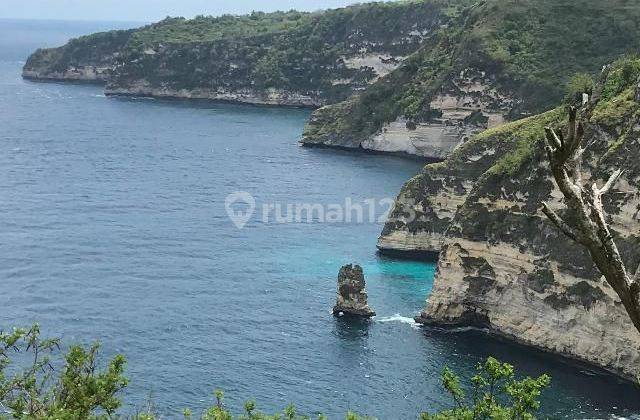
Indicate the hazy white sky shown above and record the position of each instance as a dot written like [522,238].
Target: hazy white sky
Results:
[148,10]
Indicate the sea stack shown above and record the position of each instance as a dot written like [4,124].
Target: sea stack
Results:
[352,297]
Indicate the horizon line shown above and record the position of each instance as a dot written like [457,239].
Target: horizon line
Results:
[77,20]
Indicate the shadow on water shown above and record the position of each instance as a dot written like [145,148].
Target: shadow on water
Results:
[352,328]
[341,150]
[463,349]
[394,255]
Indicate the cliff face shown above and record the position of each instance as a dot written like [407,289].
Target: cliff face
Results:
[417,77]
[312,60]
[467,105]
[502,265]
[292,58]
[493,63]
[428,203]
[91,59]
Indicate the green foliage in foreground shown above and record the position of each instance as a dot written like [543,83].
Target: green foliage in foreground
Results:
[78,392]
[29,389]
[495,394]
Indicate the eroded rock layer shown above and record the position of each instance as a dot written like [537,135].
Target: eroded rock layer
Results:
[493,63]
[502,264]
[281,58]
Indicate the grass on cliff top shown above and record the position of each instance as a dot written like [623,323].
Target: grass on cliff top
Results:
[616,105]
[208,28]
[523,136]
[614,111]
[527,135]
[617,101]
[618,108]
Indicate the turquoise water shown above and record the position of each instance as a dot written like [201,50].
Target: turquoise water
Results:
[114,228]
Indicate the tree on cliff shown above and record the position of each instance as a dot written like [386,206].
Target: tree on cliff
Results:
[585,222]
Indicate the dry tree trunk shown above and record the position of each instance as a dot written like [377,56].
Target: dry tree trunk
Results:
[587,223]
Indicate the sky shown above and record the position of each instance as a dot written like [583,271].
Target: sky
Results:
[149,10]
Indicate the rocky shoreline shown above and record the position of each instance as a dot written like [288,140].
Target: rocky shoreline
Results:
[422,159]
[502,266]
[434,141]
[271,98]
[71,76]
[274,99]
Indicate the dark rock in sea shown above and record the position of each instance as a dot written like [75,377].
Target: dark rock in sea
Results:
[352,297]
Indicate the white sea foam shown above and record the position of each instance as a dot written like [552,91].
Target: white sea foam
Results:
[399,318]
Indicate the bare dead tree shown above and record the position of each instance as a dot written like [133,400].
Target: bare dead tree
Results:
[586,223]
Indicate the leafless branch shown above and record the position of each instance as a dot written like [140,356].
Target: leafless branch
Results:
[560,224]
[589,225]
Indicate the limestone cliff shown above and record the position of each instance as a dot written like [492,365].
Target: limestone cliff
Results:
[428,203]
[498,60]
[502,265]
[281,58]
[90,59]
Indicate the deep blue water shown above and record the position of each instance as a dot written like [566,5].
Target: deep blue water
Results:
[113,228]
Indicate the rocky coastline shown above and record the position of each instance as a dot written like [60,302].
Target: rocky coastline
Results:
[264,98]
[91,75]
[502,266]
[439,88]
[281,58]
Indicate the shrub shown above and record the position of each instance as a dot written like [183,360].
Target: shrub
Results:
[578,84]
[82,391]
[495,394]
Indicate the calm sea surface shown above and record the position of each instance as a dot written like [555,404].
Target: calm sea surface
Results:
[113,228]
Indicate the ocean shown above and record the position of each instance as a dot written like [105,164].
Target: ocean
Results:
[115,228]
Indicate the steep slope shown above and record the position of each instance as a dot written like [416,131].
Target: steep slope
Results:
[89,58]
[281,58]
[427,204]
[502,265]
[498,60]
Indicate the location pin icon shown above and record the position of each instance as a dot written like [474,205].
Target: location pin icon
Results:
[240,206]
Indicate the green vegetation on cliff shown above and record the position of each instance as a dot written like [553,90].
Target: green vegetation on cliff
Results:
[97,50]
[208,28]
[305,53]
[539,44]
[405,91]
[324,56]
[526,49]
[525,137]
